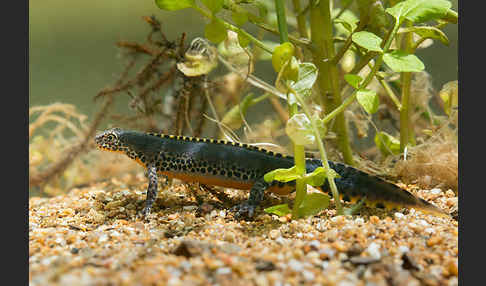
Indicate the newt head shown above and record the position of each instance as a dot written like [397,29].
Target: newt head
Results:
[109,140]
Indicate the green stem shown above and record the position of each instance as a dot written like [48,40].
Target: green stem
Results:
[281,21]
[319,55]
[300,185]
[341,127]
[322,152]
[301,22]
[233,28]
[367,80]
[406,135]
[390,93]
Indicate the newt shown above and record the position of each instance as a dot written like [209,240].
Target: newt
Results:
[242,166]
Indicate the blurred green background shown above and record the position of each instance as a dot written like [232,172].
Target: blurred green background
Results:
[72,52]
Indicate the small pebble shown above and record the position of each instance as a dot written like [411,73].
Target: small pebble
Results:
[296,265]
[274,233]
[434,240]
[399,215]
[308,275]
[452,267]
[374,219]
[429,230]
[374,250]
[223,271]
[435,191]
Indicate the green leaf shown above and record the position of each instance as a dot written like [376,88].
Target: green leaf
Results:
[378,17]
[400,61]
[280,210]
[449,95]
[368,99]
[282,175]
[318,176]
[215,31]
[213,5]
[367,40]
[427,32]
[419,11]
[346,23]
[240,18]
[353,80]
[307,75]
[387,144]
[313,203]
[174,5]
[299,129]
[451,16]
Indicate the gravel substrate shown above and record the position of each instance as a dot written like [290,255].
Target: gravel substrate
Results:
[92,236]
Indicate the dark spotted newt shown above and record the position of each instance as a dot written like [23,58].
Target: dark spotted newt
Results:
[242,166]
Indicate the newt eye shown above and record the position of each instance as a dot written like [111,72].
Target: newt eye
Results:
[110,137]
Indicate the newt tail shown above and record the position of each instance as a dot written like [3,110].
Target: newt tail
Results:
[242,166]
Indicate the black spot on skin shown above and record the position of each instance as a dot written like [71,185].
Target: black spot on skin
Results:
[278,155]
[215,172]
[245,177]
[203,170]
[271,153]
[210,169]
[230,174]
[346,198]
[380,205]
[192,170]
[244,145]
[237,174]
[223,172]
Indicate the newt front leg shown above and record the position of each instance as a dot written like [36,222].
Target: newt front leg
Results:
[151,189]
[247,209]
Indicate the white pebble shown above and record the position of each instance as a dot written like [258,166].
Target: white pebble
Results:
[223,271]
[296,265]
[103,238]
[321,227]
[274,233]
[374,250]
[222,214]
[403,249]
[359,220]
[315,243]
[435,191]
[399,215]
[423,223]
[429,230]
[299,235]
[308,275]
[280,240]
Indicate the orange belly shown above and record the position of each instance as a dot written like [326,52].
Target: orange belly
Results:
[225,182]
